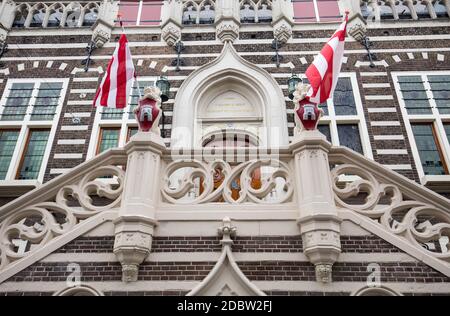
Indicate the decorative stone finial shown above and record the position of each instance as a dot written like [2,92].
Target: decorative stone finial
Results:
[227,231]
[148,112]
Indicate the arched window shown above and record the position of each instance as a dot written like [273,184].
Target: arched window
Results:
[90,16]
[207,13]
[21,16]
[367,10]
[81,290]
[422,10]
[55,17]
[247,12]
[386,12]
[440,9]
[264,12]
[38,16]
[190,14]
[403,11]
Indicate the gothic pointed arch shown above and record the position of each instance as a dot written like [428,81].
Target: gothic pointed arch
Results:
[256,100]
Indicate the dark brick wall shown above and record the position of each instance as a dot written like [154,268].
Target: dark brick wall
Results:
[353,244]
[255,270]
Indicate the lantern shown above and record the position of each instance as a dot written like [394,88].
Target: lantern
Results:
[164,85]
[292,82]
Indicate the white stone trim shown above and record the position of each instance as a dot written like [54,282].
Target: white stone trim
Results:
[410,55]
[78,114]
[71,141]
[399,167]
[59,170]
[83,90]
[85,79]
[388,137]
[373,74]
[385,123]
[74,128]
[376,85]
[68,156]
[382,110]
[440,57]
[396,58]
[79,102]
[392,152]
[379,97]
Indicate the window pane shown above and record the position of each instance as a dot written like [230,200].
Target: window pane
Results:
[440,86]
[207,13]
[17,101]
[129,12]
[386,11]
[111,114]
[366,9]
[264,12]
[8,140]
[304,11]
[447,131]
[325,129]
[428,150]
[343,100]
[247,13]
[328,10]
[349,137]
[151,13]
[34,153]
[109,138]
[403,10]
[414,95]
[46,101]
[190,15]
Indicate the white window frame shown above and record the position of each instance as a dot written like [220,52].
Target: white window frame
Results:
[434,118]
[24,126]
[333,120]
[124,123]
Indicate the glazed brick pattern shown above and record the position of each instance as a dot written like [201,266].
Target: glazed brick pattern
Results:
[350,244]
[255,271]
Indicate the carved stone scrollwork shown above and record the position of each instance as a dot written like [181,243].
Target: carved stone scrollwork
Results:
[32,227]
[171,33]
[422,224]
[214,190]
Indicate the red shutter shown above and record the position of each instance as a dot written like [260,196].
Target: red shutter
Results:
[129,11]
[304,11]
[151,12]
[328,10]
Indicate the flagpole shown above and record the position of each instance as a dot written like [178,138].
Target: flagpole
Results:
[119,16]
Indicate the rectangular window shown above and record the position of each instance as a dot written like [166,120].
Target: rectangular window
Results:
[151,13]
[140,12]
[33,154]
[325,129]
[427,145]
[129,12]
[349,137]
[328,10]
[109,138]
[447,131]
[414,95]
[17,101]
[8,140]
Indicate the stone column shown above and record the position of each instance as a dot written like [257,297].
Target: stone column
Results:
[171,16]
[282,19]
[7,16]
[318,220]
[104,25]
[227,20]
[137,216]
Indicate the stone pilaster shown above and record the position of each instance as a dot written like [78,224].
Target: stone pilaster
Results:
[318,220]
[137,216]
[172,12]
[282,19]
[227,20]
[7,15]
[105,22]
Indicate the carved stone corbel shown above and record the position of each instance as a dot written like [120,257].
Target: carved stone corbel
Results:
[227,20]
[105,22]
[171,14]
[357,27]
[282,19]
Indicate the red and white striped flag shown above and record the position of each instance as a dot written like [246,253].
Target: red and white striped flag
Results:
[323,73]
[116,85]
